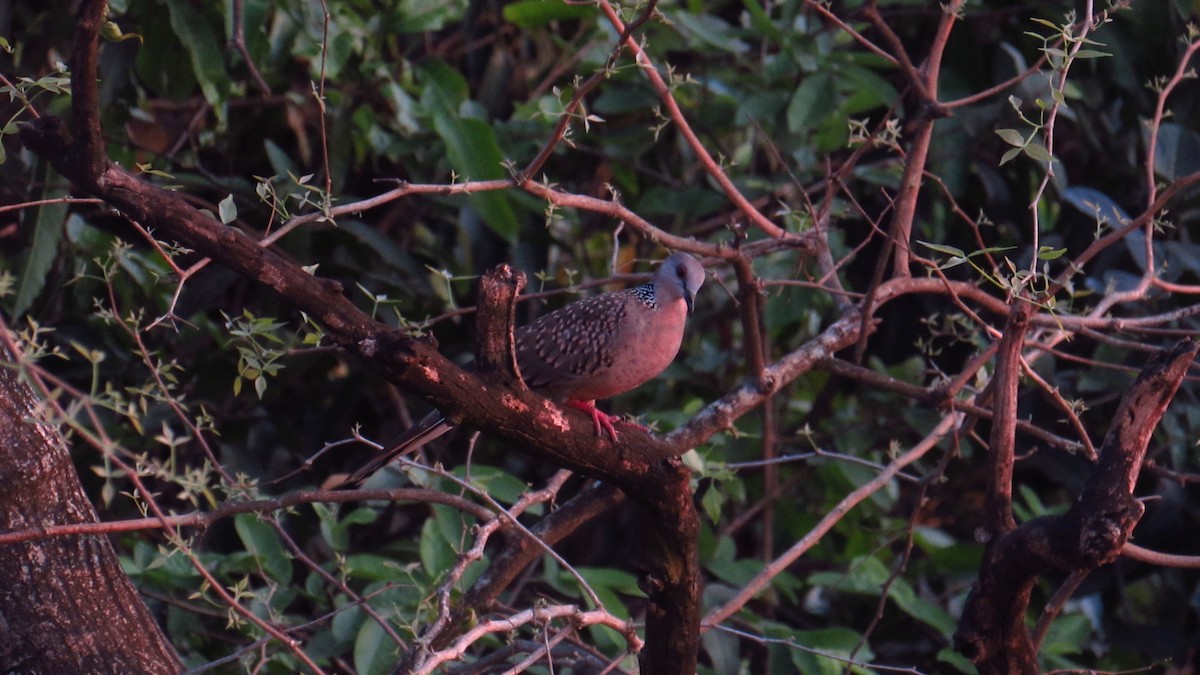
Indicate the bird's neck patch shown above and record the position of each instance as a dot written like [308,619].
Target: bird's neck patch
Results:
[645,294]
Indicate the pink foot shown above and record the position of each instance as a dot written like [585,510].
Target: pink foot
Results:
[603,421]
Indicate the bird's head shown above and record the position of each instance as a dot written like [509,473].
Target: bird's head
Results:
[681,275]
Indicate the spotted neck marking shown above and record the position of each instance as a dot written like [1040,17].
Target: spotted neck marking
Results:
[645,294]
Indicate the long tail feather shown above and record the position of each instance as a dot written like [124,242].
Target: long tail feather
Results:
[428,428]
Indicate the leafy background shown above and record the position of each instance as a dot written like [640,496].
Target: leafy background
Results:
[438,92]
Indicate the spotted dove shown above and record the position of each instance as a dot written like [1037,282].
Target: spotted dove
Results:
[594,348]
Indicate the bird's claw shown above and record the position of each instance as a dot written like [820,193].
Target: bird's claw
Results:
[603,421]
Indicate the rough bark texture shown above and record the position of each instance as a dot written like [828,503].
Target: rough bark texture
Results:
[66,606]
[992,631]
[673,583]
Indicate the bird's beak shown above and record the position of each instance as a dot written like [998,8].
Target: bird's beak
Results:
[690,299]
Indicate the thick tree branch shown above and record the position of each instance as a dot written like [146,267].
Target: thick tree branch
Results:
[495,353]
[43,582]
[992,631]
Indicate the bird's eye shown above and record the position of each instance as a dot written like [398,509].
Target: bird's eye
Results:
[680,271]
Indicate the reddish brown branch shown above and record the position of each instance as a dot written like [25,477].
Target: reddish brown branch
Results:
[572,108]
[238,43]
[896,244]
[87,153]
[710,165]
[998,513]
[750,304]
[926,83]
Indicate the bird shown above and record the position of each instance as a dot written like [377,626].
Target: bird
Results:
[594,348]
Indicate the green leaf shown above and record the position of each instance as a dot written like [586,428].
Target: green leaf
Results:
[418,16]
[531,14]
[204,49]
[761,21]
[336,529]
[346,623]
[1047,253]
[262,542]
[439,536]
[332,529]
[618,580]
[374,651]
[1012,137]
[712,502]
[723,649]
[605,582]
[1038,152]
[471,146]
[1177,152]
[1067,635]
[865,576]
[371,567]
[956,660]
[923,610]
[1096,204]
[227,210]
[1009,156]
[867,89]
[736,572]
[944,248]
[707,29]
[992,249]
[815,98]
[47,228]
[839,642]
[501,485]
[281,163]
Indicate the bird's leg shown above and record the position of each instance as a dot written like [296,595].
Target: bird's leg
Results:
[603,421]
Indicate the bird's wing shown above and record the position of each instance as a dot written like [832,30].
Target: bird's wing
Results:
[571,343]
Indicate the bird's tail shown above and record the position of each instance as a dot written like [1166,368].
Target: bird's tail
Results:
[428,428]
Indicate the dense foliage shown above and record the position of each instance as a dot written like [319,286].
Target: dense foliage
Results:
[215,392]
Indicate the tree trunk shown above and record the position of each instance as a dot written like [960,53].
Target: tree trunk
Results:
[65,604]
